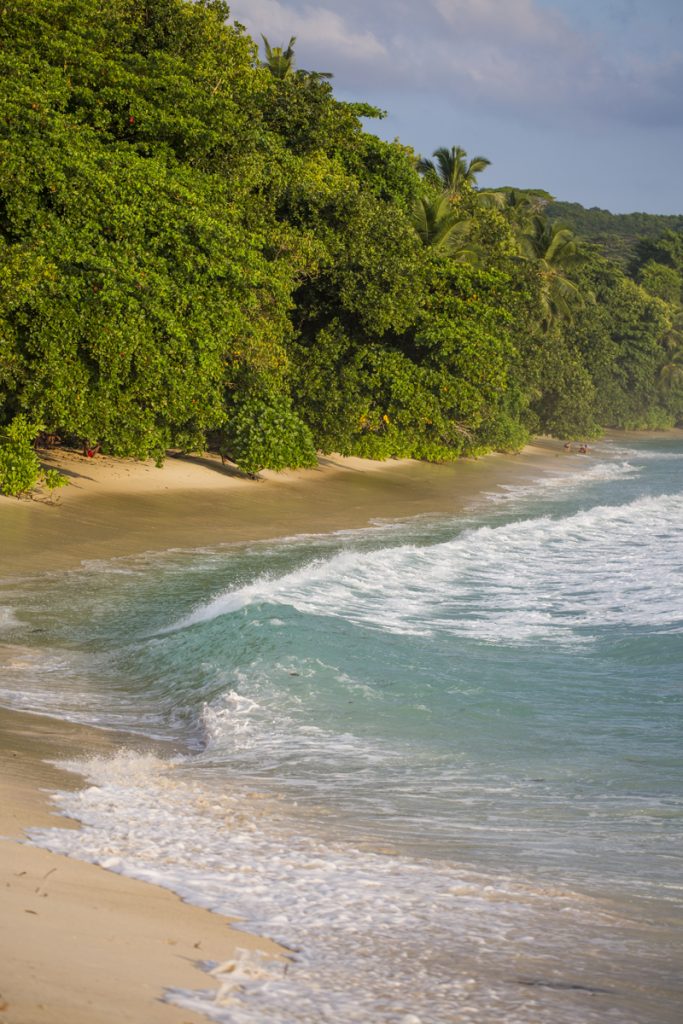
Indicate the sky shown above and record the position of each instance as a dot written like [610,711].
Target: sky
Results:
[581,97]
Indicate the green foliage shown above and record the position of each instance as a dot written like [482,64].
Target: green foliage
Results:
[666,250]
[303,113]
[664,282]
[616,234]
[20,470]
[19,465]
[566,407]
[670,373]
[503,432]
[618,340]
[385,169]
[132,278]
[53,480]
[556,252]
[437,224]
[267,434]
[371,271]
[451,170]
[280,62]
[375,402]
[197,243]
[436,391]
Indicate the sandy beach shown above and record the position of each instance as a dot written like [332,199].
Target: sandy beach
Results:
[118,507]
[81,944]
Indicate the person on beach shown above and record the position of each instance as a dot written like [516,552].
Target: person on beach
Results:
[567,446]
[583,450]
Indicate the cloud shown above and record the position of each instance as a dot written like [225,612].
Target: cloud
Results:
[318,30]
[519,20]
[513,53]
[512,57]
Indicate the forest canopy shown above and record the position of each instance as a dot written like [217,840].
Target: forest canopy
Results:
[200,246]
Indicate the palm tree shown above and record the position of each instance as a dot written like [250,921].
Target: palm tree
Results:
[280,62]
[452,170]
[671,371]
[520,206]
[556,251]
[438,225]
[552,242]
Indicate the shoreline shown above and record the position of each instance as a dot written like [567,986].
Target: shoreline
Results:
[118,507]
[63,964]
[115,508]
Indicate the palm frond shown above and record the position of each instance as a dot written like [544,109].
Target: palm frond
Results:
[491,199]
[476,165]
[439,226]
[450,168]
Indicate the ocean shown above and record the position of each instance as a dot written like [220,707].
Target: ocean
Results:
[438,759]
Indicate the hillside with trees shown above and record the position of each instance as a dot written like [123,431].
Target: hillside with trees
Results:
[200,246]
[616,234]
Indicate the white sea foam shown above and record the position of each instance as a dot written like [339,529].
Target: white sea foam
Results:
[615,449]
[545,577]
[551,486]
[262,723]
[378,937]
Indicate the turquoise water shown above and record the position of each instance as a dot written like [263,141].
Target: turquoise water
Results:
[440,758]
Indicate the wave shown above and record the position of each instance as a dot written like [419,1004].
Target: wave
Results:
[618,450]
[559,486]
[541,577]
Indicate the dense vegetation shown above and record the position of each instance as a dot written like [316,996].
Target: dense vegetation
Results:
[617,234]
[199,247]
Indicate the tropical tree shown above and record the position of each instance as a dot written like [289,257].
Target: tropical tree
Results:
[438,225]
[671,371]
[451,169]
[667,250]
[136,288]
[519,206]
[661,280]
[556,252]
[196,245]
[280,62]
